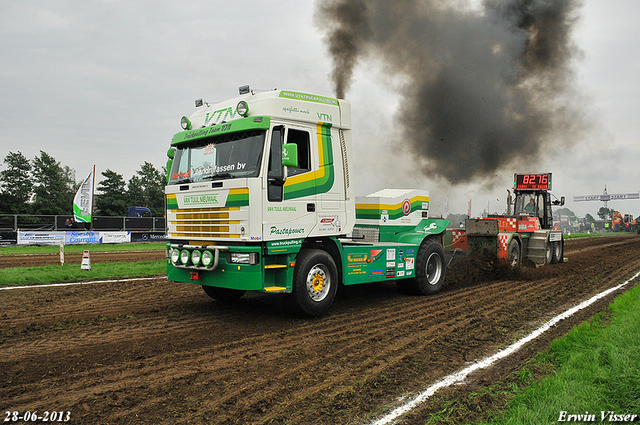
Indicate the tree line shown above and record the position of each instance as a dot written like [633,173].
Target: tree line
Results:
[43,185]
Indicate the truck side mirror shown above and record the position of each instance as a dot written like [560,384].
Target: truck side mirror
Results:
[561,200]
[170,154]
[277,173]
[290,155]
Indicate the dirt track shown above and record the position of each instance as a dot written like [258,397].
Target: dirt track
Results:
[34,260]
[157,352]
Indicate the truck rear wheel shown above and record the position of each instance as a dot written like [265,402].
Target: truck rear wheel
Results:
[223,294]
[430,270]
[315,282]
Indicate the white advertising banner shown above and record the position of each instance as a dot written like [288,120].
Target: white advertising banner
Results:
[115,237]
[40,238]
[81,237]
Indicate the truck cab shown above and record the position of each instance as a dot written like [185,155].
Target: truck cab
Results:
[535,203]
[260,198]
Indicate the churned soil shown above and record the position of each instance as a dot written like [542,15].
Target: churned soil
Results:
[157,352]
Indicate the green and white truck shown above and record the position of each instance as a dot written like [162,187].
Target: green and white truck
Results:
[260,198]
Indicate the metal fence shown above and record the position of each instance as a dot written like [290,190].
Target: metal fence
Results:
[15,222]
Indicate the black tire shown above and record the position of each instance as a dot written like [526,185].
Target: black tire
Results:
[557,256]
[430,270]
[513,254]
[548,253]
[223,294]
[315,282]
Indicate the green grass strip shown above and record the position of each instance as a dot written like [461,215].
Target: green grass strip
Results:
[73,248]
[596,373]
[22,276]
[581,235]
[593,235]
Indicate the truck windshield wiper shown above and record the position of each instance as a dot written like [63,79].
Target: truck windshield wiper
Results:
[183,181]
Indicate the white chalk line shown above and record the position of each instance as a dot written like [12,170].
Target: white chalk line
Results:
[488,361]
[35,286]
[51,254]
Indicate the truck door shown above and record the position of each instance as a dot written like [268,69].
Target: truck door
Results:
[548,219]
[543,208]
[290,211]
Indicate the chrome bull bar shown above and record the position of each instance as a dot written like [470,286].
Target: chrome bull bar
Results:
[215,249]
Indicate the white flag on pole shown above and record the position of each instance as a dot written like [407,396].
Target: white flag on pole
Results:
[82,203]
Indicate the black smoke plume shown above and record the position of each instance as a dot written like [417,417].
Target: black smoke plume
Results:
[482,87]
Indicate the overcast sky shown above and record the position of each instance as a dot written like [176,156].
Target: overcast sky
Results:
[106,83]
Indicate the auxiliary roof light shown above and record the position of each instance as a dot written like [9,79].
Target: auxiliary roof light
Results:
[185,123]
[243,108]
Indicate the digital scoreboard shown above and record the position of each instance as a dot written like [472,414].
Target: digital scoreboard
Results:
[532,181]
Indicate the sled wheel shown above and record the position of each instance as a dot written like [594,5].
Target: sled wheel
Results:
[558,252]
[548,253]
[513,254]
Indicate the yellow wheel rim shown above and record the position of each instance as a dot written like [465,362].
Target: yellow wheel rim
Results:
[318,282]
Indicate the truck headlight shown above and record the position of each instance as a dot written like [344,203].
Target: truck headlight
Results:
[195,257]
[184,256]
[207,258]
[243,258]
[175,255]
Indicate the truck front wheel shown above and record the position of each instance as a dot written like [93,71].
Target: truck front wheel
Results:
[315,282]
[430,270]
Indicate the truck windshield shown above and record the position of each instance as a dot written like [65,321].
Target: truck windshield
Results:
[529,203]
[222,157]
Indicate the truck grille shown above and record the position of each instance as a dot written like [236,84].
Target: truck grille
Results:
[207,223]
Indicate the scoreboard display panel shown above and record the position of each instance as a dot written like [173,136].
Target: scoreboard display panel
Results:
[532,181]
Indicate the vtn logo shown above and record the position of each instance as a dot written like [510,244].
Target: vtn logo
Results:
[324,117]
